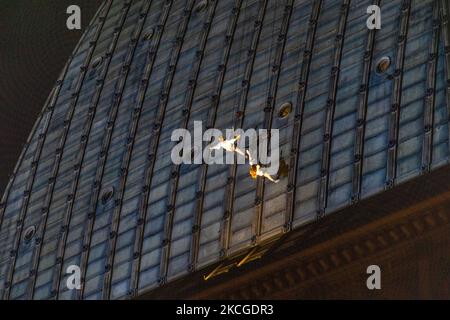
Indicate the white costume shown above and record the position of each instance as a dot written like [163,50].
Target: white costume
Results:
[228,145]
[257,170]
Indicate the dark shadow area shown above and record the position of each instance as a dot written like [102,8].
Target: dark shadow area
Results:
[34,46]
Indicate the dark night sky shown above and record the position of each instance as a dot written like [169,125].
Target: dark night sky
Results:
[34,46]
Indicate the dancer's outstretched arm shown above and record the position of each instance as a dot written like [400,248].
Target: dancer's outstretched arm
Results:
[250,159]
[216,146]
[239,151]
[268,176]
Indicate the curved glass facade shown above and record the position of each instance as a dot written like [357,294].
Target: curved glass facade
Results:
[96,180]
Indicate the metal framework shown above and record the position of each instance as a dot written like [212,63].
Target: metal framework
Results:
[104,151]
[126,159]
[430,99]
[394,118]
[238,122]
[203,59]
[154,141]
[445,16]
[299,111]
[269,109]
[140,223]
[330,110]
[362,114]
[212,115]
[58,156]
[187,113]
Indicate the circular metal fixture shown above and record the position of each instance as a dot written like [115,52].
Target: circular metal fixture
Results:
[97,61]
[285,110]
[107,194]
[201,5]
[383,65]
[29,233]
[149,34]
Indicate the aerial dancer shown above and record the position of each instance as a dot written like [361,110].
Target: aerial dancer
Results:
[228,145]
[257,170]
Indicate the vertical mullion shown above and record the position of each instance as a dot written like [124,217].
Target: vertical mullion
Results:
[299,110]
[394,116]
[330,110]
[430,98]
[154,141]
[173,61]
[362,115]
[239,120]
[142,214]
[445,16]
[61,246]
[120,85]
[270,106]
[212,115]
[102,159]
[39,148]
[74,184]
[187,112]
[127,155]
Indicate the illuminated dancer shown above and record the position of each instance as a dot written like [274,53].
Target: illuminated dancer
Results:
[228,145]
[257,170]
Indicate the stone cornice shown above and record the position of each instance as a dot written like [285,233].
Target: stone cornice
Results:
[385,222]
